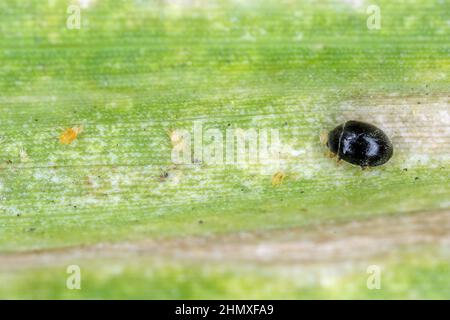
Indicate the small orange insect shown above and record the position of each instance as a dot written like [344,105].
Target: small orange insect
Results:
[278,178]
[69,135]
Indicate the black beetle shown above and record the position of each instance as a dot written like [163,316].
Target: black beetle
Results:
[360,143]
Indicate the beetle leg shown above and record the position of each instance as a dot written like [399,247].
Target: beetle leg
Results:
[330,154]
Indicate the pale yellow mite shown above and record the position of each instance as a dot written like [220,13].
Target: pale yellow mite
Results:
[278,178]
[323,137]
[69,135]
[174,136]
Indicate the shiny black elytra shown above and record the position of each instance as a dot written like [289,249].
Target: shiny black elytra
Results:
[360,143]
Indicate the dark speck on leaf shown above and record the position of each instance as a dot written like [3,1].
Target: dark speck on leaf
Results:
[163,176]
[31,229]
[416,178]
[200,221]
[405,169]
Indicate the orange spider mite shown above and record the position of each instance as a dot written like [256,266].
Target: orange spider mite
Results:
[69,135]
